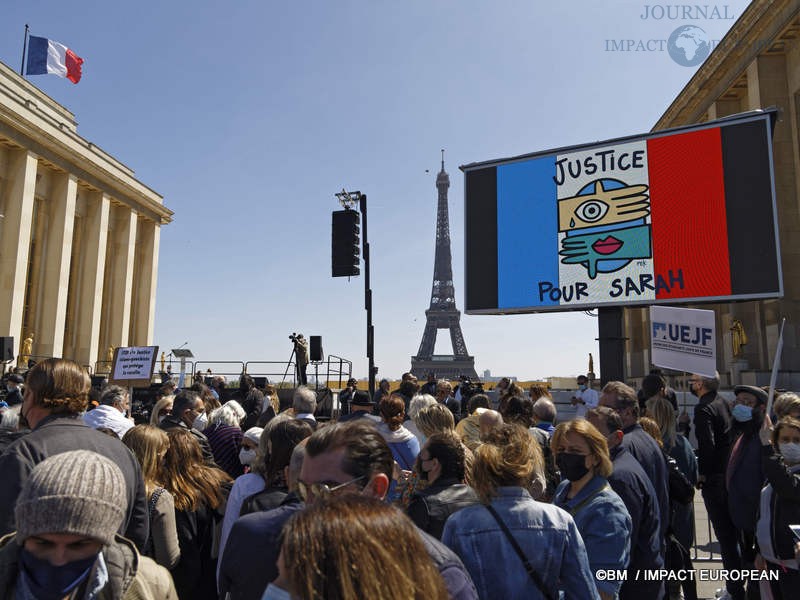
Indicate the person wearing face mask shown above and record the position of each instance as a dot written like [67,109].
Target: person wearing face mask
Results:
[602,519]
[713,424]
[744,476]
[622,399]
[584,397]
[66,543]
[441,464]
[780,504]
[56,392]
[632,485]
[161,410]
[189,412]
[247,455]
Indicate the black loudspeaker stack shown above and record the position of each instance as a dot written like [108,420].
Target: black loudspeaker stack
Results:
[316,354]
[6,349]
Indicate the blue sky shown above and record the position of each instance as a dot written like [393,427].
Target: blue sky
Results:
[248,116]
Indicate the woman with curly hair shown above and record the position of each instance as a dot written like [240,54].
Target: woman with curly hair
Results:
[149,444]
[200,493]
[354,546]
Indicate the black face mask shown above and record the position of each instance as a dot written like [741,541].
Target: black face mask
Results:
[572,466]
[48,582]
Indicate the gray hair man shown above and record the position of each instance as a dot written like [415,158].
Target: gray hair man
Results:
[113,412]
[304,403]
[624,401]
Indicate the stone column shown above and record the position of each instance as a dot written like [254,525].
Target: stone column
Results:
[93,257]
[55,280]
[120,274]
[20,183]
[144,301]
[768,75]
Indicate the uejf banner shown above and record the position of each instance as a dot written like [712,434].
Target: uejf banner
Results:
[683,339]
[686,214]
[133,366]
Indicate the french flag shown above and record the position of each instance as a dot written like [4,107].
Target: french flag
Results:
[48,56]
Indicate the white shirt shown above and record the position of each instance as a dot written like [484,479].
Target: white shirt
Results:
[590,399]
[110,417]
[244,486]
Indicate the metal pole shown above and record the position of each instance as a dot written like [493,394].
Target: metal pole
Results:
[24,47]
[367,296]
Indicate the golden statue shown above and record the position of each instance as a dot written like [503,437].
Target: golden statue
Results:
[738,337]
[26,351]
[163,360]
[591,363]
[110,355]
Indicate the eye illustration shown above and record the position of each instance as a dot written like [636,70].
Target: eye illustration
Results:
[591,210]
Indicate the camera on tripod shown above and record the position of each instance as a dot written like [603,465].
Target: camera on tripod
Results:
[293,337]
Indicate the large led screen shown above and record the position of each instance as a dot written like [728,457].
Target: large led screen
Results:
[683,215]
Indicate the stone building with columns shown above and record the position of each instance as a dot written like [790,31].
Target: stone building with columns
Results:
[756,65]
[79,235]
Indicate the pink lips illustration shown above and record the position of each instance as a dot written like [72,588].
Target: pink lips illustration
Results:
[609,245]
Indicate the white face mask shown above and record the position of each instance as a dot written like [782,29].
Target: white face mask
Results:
[200,422]
[246,457]
[790,453]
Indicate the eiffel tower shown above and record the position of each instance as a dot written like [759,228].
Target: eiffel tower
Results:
[442,313]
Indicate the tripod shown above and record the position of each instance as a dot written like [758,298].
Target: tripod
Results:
[288,365]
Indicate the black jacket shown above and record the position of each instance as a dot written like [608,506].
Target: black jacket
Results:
[714,431]
[784,504]
[249,561]
[430,508]
[194,575]
[172,422]
[264,500]
[14,397]
[631,483]
[59,433]
[647,451]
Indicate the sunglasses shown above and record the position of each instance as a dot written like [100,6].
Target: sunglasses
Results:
[321,490]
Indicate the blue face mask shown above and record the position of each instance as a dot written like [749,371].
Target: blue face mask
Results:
[48,582]
[742,413]
[582,387]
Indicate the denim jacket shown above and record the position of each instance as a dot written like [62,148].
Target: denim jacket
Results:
[548,537]
[604,524]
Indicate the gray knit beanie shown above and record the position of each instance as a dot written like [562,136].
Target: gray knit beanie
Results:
[78,492]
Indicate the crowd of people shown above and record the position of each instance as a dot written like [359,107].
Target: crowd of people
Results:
[422,492]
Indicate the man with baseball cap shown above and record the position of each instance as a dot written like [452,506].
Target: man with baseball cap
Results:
[66,543]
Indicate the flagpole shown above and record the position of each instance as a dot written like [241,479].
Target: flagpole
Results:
[24,48]
[773,380]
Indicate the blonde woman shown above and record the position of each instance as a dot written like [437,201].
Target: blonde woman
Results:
[161,409]
[149,444]
[512,545]
[605,525]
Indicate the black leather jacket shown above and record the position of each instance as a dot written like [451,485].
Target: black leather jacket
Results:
[714,431]
[430,508]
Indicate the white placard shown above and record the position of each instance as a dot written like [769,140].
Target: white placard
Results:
[134,363]
[683,339]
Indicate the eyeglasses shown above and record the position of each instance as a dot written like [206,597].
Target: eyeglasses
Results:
[321,490]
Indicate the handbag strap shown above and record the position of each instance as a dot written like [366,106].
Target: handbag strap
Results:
[577,508]
[514,544]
